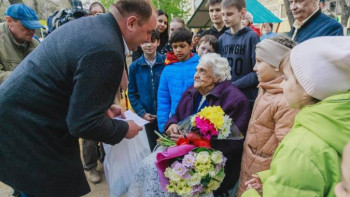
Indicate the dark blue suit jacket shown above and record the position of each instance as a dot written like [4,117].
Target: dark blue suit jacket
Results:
[60,92]
[318,25]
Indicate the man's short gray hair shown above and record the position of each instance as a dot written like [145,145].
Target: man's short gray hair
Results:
[218,64]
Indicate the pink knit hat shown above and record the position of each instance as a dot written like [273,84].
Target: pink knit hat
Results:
[322,65]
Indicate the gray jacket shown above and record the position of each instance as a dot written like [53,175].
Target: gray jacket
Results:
[11,52]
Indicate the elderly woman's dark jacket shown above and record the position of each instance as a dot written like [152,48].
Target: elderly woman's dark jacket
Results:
[236,105]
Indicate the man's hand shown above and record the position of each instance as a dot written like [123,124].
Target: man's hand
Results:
[254,183]
[174,133]
[134,129]
[114,111]
[149,117]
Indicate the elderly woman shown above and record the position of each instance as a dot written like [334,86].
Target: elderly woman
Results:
[212,86]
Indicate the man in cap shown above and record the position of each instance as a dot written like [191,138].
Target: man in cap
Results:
[16,37]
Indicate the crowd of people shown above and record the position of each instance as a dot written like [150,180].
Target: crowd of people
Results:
[288,95]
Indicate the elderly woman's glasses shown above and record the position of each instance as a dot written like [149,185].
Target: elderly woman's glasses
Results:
[201,71]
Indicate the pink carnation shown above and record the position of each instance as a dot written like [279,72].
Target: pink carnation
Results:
[206,128]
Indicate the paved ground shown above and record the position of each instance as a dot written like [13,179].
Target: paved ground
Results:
[97,190]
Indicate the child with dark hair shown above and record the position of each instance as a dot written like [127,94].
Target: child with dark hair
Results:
[162,28]
[218,28]
[177,76]
[207,44]
[144,76]
[175,23]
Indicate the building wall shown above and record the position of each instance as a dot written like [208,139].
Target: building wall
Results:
[277,7]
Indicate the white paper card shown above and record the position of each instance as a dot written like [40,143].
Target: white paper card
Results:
[132,116]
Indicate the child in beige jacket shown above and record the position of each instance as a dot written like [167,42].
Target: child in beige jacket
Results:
[271,118]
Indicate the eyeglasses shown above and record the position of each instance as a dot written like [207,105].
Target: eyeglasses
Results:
[201,71]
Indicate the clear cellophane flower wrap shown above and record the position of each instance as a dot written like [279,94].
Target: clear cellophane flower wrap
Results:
[211,123]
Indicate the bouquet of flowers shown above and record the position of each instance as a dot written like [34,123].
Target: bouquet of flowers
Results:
[190,171]
[211,123]
[190,166]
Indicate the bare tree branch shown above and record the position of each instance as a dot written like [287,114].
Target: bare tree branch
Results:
[35,4]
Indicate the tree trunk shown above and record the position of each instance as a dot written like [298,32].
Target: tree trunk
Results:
[35,4]
[15,1]
[345,12]
[289,12]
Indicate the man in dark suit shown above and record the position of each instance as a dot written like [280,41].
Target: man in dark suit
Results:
[65,90]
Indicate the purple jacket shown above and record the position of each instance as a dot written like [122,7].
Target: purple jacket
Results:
[236,105]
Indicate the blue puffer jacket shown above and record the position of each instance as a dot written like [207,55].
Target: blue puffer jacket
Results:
[143,84]
[175,79]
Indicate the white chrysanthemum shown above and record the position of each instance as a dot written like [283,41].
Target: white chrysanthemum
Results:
[224,131]
[213,173]
[194,180]
[202,157]
[174,176]
[217,157]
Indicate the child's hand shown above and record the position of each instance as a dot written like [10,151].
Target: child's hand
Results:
[149,117]
[254,183]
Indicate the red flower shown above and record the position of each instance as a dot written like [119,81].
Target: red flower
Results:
[202,143]
[193,136]
[182,141]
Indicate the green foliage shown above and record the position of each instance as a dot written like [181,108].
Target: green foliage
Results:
[174,8]
[107,3]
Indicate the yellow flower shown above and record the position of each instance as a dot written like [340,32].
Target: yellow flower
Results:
[167,172]
[170,188]
[214,114]
[213,185]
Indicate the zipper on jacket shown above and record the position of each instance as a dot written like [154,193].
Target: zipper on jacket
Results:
[153,96]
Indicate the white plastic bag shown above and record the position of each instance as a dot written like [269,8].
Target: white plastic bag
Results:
[122,160]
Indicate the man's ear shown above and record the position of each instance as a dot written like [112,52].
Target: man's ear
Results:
[131,23]
[8,20]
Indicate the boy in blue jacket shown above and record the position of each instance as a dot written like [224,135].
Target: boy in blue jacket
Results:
[144,75]
[238,45]
[177,75]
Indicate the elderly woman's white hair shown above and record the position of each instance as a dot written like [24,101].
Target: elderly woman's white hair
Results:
[218,64]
